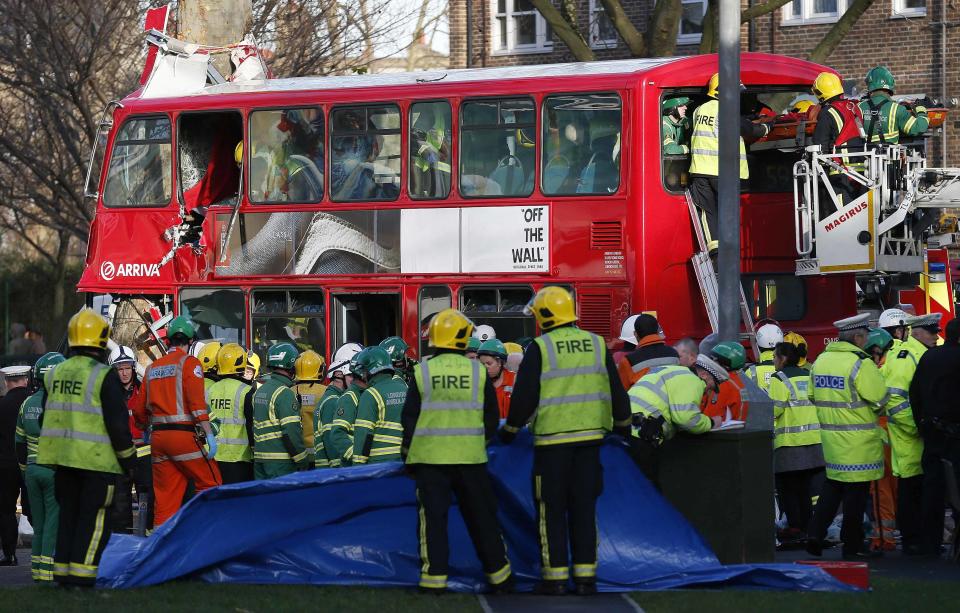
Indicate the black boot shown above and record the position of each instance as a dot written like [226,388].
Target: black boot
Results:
[585,588]
[551,588]
[9,561]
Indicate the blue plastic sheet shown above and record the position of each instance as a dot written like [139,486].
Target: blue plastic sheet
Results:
[357,526]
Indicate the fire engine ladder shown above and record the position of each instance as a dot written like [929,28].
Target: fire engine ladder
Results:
[707,279]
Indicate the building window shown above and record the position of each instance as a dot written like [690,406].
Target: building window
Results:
[802,12]
[602,33]
[909,8]
[691,21]
[519,28]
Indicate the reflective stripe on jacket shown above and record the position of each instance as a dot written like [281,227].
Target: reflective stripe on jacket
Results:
[795,421]
[674,393]
[906,446]
[705,142]
[226,411]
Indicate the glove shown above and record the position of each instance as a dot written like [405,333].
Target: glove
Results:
[507,433]
[212,444]
[919,109]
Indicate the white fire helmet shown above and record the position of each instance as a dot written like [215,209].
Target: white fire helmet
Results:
[627,333]
[769,335]
[892,318]
[121,354]
[341,359]
[485,332]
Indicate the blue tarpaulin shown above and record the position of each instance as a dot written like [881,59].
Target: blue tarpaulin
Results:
[358,526]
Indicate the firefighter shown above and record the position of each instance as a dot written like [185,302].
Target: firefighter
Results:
[569,387]
[675,126]
[341,429]
[847,387]
[277,433]
[208,361]
[493,355]
[173,402]
[377,431]
[86,440]
[705,158]
[252,371]
[651,351]
[397,348]
[124,361]
[768,337]
[801,344]
[341,378]
[839,130]
[448,416]
[44,512]
[668,399]
[885,119]
[231,415]
[729,401]
[309,390]
[797,452]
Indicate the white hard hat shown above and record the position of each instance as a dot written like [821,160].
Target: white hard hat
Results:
[341,359]
[484,332]
[197,348]
[892,318]
[627,333]
[769,335]
[121,354]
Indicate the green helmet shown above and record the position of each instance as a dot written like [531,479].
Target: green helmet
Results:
[672,103]
[282,355]
[473,344]
[878,338]
[396,348]
[45,363]
[371,361]
[880,78]
[181,325]
[729,354]
[494,348]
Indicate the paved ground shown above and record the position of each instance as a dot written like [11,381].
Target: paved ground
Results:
[523,603]
[17,575]
[893,565]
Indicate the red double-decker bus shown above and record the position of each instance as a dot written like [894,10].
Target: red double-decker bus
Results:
[350,208]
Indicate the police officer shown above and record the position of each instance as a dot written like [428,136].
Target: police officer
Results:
[341,430]
[340,379]
[651,351]
[309,390]
[768,337]
[847,389]
[16,380]
[86,440]
[231,415]
[402,364]
[277,433]
[449,414]
[44,512]
[675,126]
[885,120]
[568,385]
[377,431]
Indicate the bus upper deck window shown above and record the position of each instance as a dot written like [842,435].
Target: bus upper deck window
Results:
[139,172]
[429,165]
[498,147]
[286,155]
[581,144]
[365,153]
[206,145]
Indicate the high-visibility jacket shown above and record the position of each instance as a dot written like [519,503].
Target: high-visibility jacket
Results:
[505,391]
[172,391]
[28,424]
[674,393]
[341,430]
[795,421]
[277,433]
[761,372]
[705,142]
[309,394]
[906,446]
[450,428]
[575,397]
[848,391]
[884,120]
[323,416]
[227,397]
[377,431]
[74,433]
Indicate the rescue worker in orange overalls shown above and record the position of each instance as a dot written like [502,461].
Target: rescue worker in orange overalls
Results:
[729,397]
[172,402]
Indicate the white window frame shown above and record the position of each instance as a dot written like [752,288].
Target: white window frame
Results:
[899,9]
[596,11]
[808,17]
[543,44]
[690,39]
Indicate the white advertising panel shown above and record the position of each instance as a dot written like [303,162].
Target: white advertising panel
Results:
[429,240]
[506,239]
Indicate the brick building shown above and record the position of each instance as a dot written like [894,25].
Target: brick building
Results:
[918,39]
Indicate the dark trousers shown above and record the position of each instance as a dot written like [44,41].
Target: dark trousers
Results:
[795,490]
[847,191]
[9,492]
[567,480]
[910,510]
[854,499]
[236,472]
[84,497]
[436,486]
[704,191]
[936,448]
[121,516]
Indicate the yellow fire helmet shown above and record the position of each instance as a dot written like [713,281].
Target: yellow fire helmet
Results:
[231,360]
[208,355]
[308,366]
[552,306]
[253,362]
[800,343]
[512,348]
[826,86]
[88,329]
[450,329]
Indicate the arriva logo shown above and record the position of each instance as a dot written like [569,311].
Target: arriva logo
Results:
[109,270]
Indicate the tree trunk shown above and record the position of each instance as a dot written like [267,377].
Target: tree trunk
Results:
[60,271]
[839,30]
[759,10]
[662,33]
[569,35]
[709,41]
[625,28]
[214,22]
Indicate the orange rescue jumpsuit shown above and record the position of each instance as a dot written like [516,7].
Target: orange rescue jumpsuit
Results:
[504,391]
[727,397]
[172,401]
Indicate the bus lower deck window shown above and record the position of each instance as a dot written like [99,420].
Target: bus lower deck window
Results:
[286,155]
[581,144]
[498,147]
[365,153]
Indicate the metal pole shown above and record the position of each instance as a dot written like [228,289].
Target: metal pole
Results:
[729,179]
[469,63]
